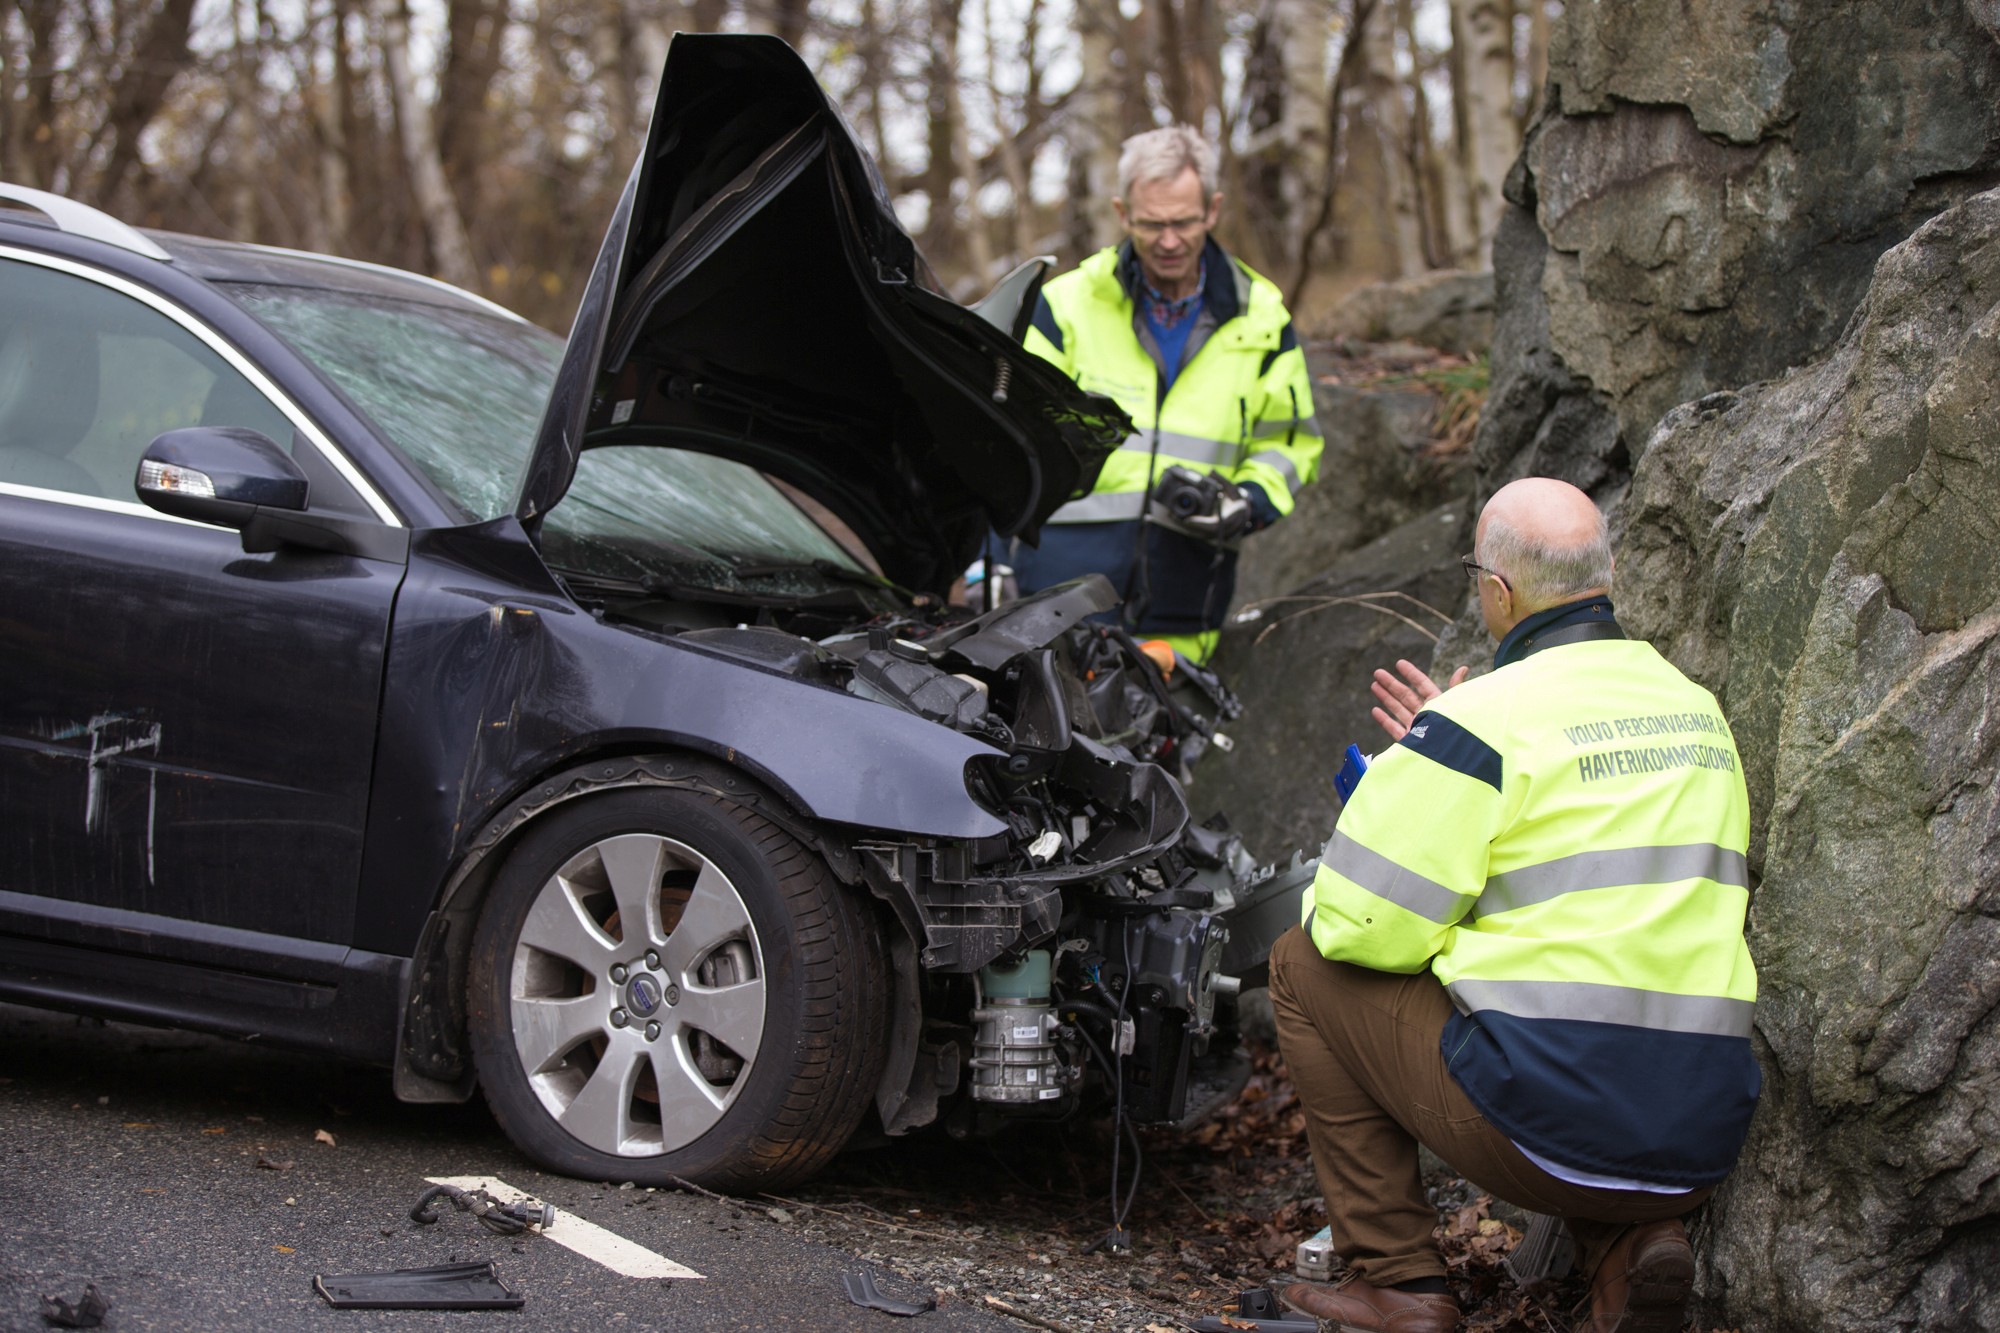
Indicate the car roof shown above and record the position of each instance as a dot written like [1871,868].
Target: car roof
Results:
[237,261]
[213,260]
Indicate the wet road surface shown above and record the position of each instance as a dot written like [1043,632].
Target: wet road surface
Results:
[190,1179]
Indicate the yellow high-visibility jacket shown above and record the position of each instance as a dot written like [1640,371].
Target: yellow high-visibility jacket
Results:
[1240,406]
[1562,842]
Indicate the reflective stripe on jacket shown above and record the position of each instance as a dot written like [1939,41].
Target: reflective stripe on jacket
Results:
[1562,842]
[1241,405]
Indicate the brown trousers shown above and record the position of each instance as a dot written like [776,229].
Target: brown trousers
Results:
[1362,1047]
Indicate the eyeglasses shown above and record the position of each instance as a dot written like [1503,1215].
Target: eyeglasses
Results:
[1473,569]
[1154,228]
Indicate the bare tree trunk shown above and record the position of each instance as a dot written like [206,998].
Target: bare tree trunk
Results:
[611,42]
[1285,87]
[1201,33]
[1171,59]
[964,171]
[474,31]
[1256,180]
[941,37]
[444,229]
[245,124]
[330,116]
[1454,205]
[1343,77]
[868,47]
[948,160]
[1097,127]
[139,87]
[366,126]
[1422,148]
[1493,136]
[1013,162]
[1387,115]
[12,66]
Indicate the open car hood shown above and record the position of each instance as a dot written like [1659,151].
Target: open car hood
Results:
[756,298]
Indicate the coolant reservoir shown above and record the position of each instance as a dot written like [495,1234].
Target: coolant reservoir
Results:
[1014,1058]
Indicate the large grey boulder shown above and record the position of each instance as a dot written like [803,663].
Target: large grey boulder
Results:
[1378,472]
[1448,309]
[1702,202]
[1824,552]
[1775,227]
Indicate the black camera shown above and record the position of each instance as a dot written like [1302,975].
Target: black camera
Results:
[1186,494]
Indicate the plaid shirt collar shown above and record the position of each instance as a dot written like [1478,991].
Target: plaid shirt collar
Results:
[1171,314]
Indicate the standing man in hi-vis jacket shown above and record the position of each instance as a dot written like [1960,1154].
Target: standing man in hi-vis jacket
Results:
[1200,352]
[1524,948]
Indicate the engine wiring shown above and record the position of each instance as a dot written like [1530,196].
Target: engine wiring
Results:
[1118,1239]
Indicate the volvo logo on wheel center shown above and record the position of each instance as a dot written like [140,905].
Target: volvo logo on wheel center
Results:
[642,995]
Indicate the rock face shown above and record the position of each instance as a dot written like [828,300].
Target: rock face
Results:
[1823,551]
[1749,296]
[1364,571]
[1378,472]
[1446,309]
[1702,203]
[1753,270]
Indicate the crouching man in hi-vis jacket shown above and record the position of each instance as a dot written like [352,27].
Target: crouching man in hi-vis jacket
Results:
[1524,948]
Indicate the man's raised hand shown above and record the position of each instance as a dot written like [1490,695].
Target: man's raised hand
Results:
[1401,700]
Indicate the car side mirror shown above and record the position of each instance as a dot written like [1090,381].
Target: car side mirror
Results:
[219,474]
[241,479]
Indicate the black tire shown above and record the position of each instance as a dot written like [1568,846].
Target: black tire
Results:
[568,1081]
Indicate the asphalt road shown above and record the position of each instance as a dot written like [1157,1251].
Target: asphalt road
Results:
[187,1177]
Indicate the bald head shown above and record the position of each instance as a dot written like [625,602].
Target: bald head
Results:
[1549,545]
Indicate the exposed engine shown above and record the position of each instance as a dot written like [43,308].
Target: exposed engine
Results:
[1093,952]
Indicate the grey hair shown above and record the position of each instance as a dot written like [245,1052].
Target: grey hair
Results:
[1162,155]
[1542,573]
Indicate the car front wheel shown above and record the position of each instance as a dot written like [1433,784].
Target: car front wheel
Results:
[665,984]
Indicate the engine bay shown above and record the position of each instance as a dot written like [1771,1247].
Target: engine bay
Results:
[1090,955]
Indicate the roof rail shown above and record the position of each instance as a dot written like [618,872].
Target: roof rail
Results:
[76,219]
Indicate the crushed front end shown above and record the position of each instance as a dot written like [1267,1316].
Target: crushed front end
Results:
[1092,953]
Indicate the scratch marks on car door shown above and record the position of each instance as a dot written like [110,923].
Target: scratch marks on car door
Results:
[114,736]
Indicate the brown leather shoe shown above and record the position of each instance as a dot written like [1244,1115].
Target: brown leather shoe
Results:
[1644,1283]
[1354,1306]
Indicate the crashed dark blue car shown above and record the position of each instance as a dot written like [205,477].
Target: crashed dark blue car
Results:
[588,723]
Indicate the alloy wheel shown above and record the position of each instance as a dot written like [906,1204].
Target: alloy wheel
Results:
[637,995]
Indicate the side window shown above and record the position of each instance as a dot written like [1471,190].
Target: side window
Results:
[89,376]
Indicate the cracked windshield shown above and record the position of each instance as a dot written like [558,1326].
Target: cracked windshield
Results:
[462,393]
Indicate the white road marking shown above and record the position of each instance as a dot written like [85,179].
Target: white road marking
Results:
[588,1239]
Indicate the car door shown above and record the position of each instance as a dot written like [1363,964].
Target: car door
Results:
[186,730]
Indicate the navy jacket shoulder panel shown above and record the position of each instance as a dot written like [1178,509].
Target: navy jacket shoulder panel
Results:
[1443,741]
